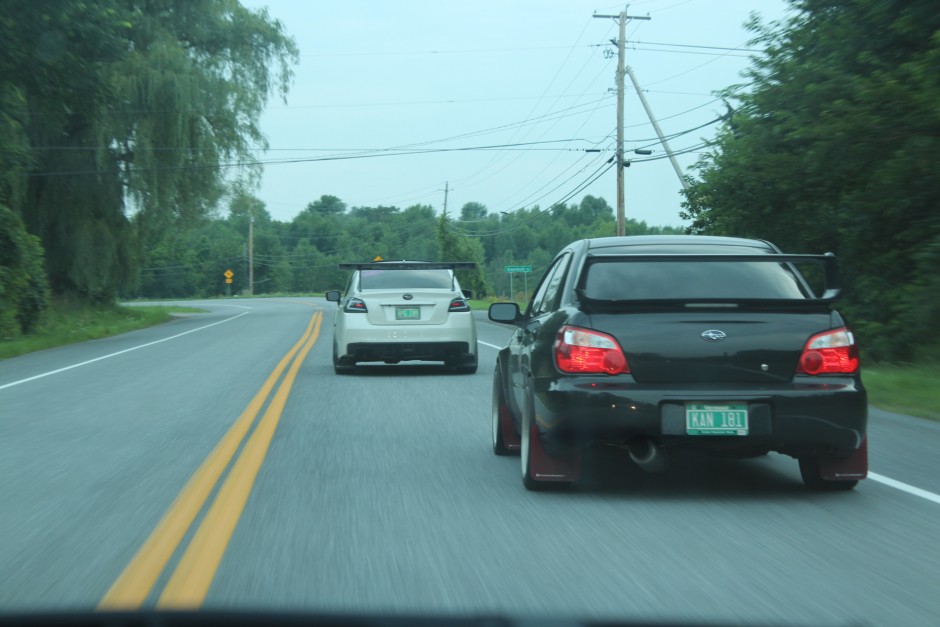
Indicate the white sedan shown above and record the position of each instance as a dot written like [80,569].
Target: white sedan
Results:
[393,311]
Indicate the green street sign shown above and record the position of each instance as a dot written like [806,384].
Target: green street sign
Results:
[518,268]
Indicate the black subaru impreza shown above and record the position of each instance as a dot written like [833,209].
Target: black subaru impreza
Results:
[656,343]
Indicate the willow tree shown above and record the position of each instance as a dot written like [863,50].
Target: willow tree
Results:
[136,110]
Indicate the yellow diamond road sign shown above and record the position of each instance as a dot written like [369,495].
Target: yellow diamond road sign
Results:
[228,274]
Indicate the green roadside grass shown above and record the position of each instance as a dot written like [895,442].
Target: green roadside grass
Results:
[912,389]
[483,305]
[67,323]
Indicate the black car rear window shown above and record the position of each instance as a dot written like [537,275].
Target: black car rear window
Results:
[404,279]
[669,280]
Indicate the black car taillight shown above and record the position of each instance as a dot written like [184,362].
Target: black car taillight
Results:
[584,351]
[355,305]
[458,304]
[831,352]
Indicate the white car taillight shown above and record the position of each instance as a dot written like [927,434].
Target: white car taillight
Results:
[355,305]
[458,304]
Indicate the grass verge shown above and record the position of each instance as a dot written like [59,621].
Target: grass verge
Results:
[66,322]
[484,305]
[906,389]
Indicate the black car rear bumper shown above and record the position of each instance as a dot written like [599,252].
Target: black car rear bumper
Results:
[809,415]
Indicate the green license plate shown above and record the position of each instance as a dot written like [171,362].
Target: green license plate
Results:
[716,418]
[407,313]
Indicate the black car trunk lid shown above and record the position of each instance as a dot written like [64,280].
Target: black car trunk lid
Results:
[712,346]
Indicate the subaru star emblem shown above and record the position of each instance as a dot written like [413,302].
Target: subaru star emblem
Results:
[407,296]
[713,335]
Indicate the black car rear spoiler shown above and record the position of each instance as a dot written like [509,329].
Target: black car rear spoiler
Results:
[409,265]
[831,293]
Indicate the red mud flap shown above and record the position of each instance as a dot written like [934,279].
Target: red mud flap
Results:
[511,439]
[549,468]
[851,468]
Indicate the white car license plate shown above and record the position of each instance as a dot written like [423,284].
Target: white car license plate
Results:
[407,313]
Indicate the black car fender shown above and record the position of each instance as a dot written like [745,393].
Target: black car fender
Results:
[502,360]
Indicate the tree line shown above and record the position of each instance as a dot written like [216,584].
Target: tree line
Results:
[301,255]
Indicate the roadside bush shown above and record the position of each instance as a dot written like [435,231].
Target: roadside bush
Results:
[24,289]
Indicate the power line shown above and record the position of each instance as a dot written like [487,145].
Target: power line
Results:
[659,43]
[381,152]
[584,184]
[465,181]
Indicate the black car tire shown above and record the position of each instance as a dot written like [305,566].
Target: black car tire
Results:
[530,448]
[502,419]
[340,367]
[812,478]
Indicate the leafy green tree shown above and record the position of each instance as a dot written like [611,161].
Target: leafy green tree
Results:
[190,262]
[249,217]
[414,229]
[834,148]
[23,288]
[320,223]
[304,260]
[327,205]
[473,212]
[14,142]
[132,107]
[454,247]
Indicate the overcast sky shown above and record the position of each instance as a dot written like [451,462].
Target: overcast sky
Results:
[505,96]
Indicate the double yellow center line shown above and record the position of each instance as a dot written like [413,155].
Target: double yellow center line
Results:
[188,585]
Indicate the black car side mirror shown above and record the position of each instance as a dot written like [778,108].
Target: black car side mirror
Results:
[507,313]
[333,296]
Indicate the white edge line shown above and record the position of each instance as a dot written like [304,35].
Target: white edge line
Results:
[126,350]
[903,487]
[490,345]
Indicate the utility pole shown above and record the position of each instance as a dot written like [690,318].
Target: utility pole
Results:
[622,19]
[659,131]
[251,255]
[446,189]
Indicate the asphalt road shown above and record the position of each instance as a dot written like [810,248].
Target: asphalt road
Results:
[378,493]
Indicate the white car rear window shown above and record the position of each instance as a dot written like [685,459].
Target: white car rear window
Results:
[405,279]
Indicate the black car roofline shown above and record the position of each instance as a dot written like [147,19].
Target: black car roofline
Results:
[706,303]
[827,258]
